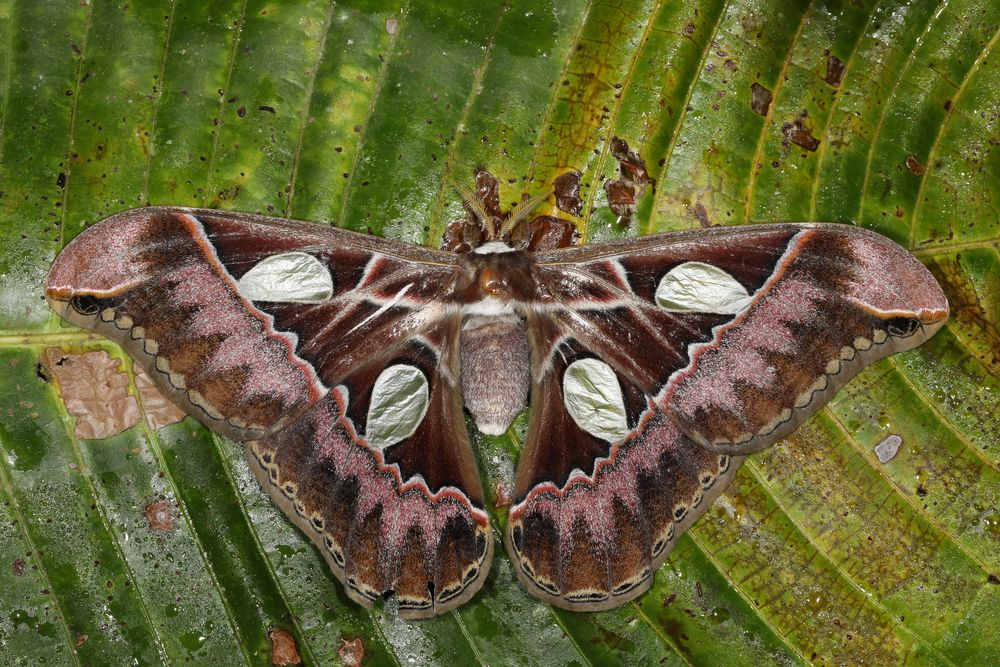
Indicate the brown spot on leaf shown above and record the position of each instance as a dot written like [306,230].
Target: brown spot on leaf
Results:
[834,70]
[702,215]
[18,567]
[621,197]
[82,639]
[453,239]
[159,516]
[760,98]
[232,192]
[94,391]
[283,649]
[351,653]
[567,191]
[268,109]
[624,192]
[549,233]
[159,411]
[392,26]
[914,165]
[799,134]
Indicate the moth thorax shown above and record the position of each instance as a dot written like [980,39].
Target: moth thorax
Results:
[496,375]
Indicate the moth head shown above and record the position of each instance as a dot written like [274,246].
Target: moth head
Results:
[494,225]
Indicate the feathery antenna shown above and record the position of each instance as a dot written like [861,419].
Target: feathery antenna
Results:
[473,201]
[521,211]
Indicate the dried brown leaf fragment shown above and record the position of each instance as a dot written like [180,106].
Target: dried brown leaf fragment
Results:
[95,392]
[283,648]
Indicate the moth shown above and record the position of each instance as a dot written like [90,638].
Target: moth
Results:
[652,366]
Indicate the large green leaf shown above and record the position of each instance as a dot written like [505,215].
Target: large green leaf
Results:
[360,114]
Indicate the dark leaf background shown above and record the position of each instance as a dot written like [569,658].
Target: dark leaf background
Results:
[883,113]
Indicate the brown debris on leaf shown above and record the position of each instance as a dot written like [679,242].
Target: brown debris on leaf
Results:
[460,236]
[158,410]
[283,649]
[94,391]
[18,567]
[484,220]
[351,653]
[621,197]
[760,98]
[799,134]
[701,215]
[624,192]
[914,165]
[567,190]
[834,70]
[548,233]
[159,517]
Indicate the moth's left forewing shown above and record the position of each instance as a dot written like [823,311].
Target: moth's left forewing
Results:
[716,343]
[335,354]
[155,281]
[245,321]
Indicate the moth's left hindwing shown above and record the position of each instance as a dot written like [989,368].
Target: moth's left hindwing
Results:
[659,362]
[333,354]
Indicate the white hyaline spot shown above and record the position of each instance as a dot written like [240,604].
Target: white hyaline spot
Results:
[398,405]
[594,399]
[290,276]
[696,287]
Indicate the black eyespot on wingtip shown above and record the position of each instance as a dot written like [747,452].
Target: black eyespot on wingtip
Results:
[85,304]
[902,327]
